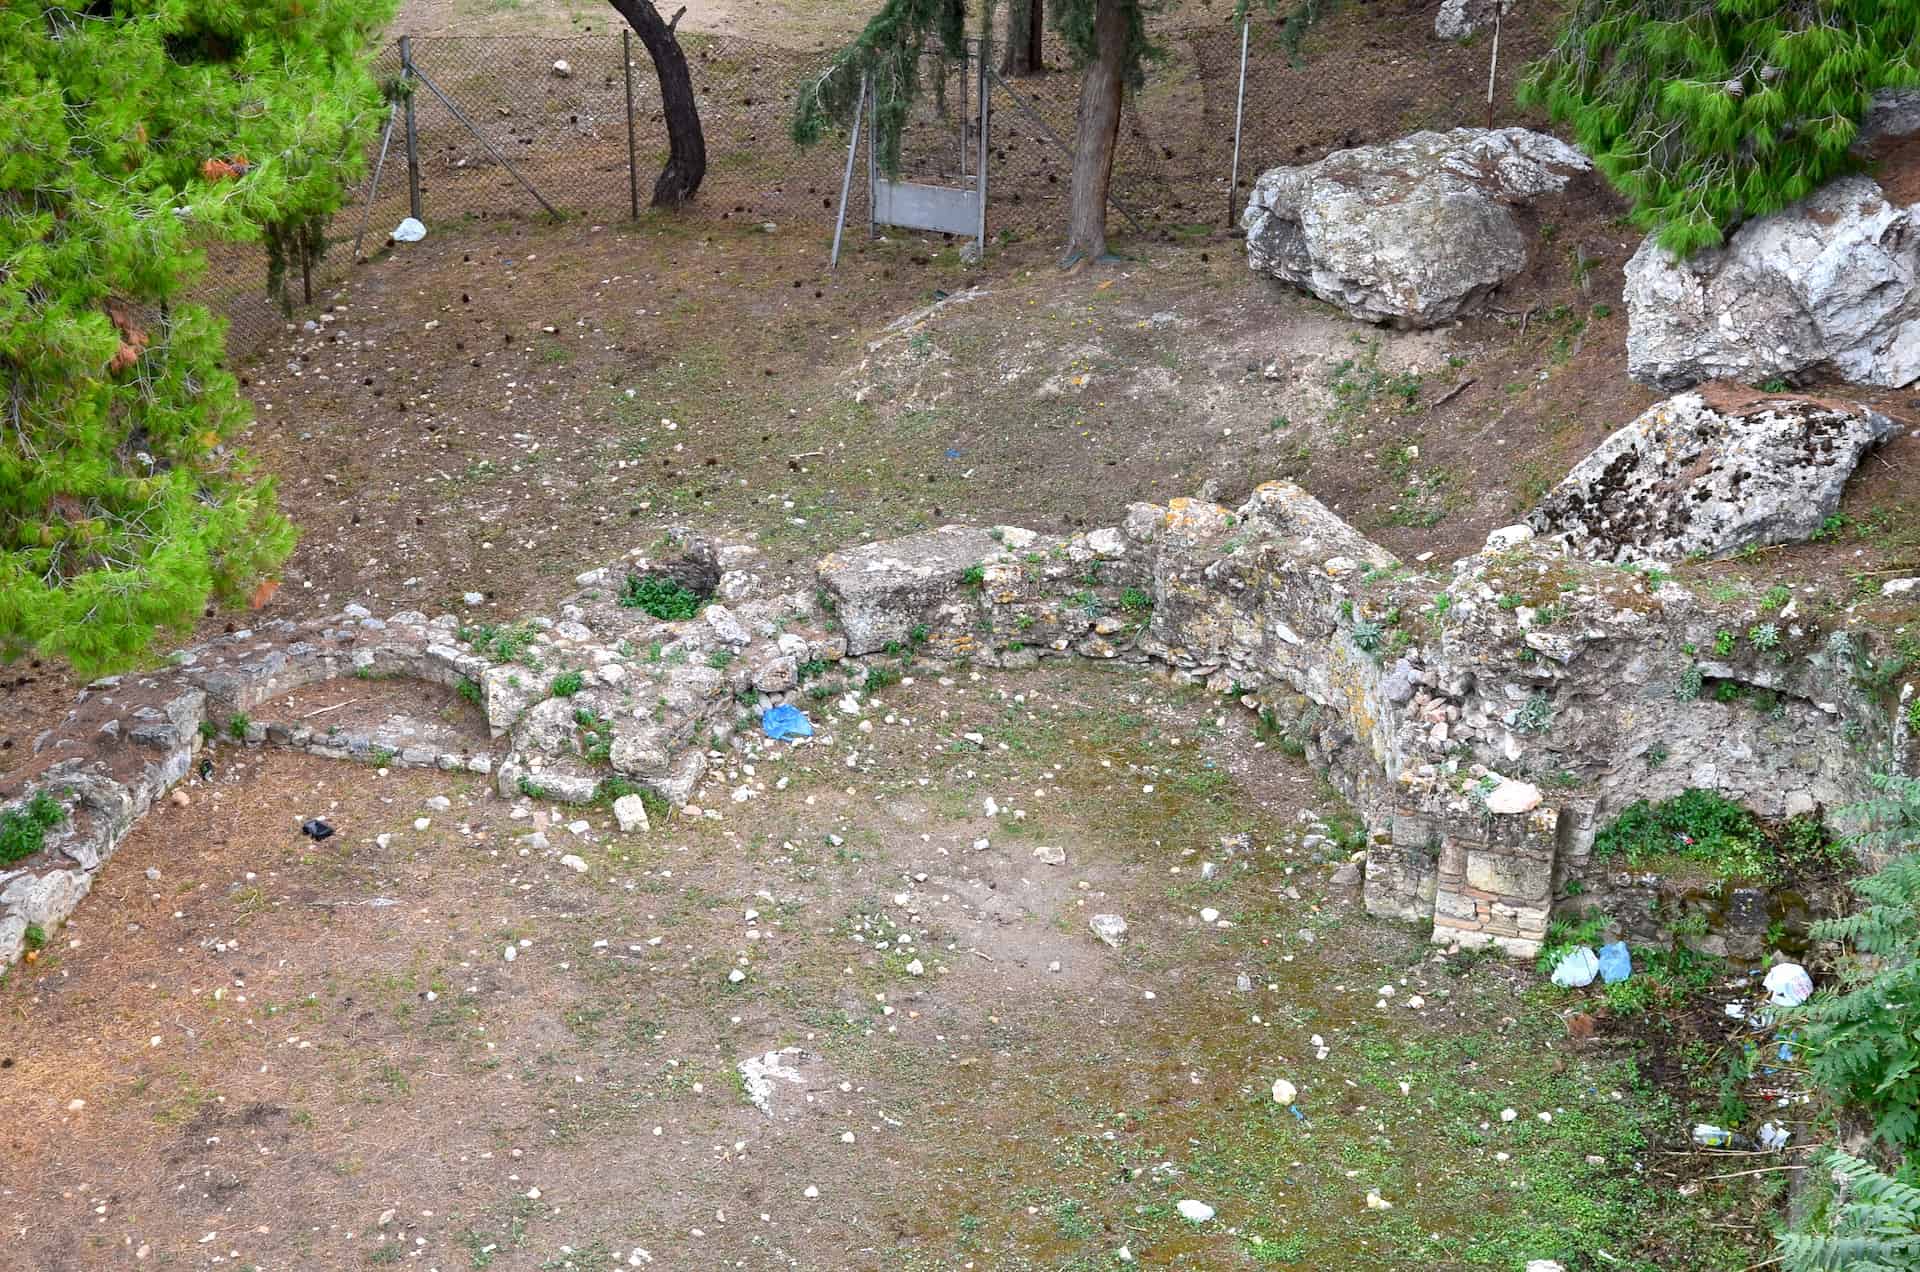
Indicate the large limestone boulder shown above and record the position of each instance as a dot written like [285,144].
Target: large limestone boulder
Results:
[1711,473]
[1414,232]
[881,591]
[1459,19]
[1830,285]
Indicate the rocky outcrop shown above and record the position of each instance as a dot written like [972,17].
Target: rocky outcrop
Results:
[1413,232]
[1459,19]
[1895,112]
[1710,477]
[1828,286]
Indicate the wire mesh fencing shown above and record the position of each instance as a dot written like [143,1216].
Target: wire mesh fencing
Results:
[553,113]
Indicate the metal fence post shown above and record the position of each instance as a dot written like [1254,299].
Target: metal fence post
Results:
[633,171]
[413,134]
[980,174]
[846,182]
[1239,112]
[1493,63]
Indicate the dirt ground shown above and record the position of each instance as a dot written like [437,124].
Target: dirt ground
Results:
[507,1036]
[801,23]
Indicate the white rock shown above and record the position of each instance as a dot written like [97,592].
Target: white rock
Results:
[1513,797]
[1283,1091]
[631,812]
[1109,928]
[1194,1211]
[1507,537]
[574,864]
[562,69]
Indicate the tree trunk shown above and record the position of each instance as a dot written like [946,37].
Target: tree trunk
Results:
[1026,24]
[1097,132]
[686,143]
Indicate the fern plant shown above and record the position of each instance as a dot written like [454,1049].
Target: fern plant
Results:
[1892,813]
[1863,1036]
[1876,1229]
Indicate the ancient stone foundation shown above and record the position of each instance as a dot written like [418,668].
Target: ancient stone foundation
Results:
[1483,721]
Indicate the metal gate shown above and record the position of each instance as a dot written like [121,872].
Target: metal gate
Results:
[952,202]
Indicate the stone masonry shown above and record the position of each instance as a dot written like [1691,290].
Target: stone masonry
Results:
[1446,706]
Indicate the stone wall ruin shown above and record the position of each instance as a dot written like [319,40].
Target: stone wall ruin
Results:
[1483,721]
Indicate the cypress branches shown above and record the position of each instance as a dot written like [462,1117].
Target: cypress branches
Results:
[1705,113]
[134,134]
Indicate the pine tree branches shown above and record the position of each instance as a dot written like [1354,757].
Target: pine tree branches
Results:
[1705,113]
[127,144]
[887,52]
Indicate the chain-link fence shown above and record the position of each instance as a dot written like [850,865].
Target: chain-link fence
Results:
[556,110]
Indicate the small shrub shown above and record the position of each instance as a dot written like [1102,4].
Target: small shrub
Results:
[659,595]
[1688,687]
[720,659]
[469,691]
[1694,825]
[1630,997]
[1135,600]
[567,683]
[1724,643]
[1367,634]
[1764,636]
[511,643]
[975,576]
[1535,715]
[23,831]
[881,676]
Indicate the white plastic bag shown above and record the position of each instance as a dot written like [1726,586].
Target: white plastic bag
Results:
[1577,968]
[1788,985]
[408,231]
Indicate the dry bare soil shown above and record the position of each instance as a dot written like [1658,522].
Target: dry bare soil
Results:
[435,1041]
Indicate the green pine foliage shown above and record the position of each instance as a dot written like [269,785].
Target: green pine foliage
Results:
[1875,1229]
[135,132]
[888,49]
[1704,113]
[1863,1035]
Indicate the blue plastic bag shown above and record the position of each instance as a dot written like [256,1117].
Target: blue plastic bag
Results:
[783,723]
[1615,963]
